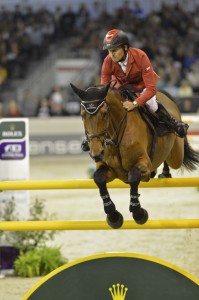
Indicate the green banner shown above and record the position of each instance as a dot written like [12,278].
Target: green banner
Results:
[12,130]
[117,276]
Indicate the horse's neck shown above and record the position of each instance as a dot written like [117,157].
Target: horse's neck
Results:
[116,112]
[117,115]
[116,108]
[122,122]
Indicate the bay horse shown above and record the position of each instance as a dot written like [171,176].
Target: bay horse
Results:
[121,144]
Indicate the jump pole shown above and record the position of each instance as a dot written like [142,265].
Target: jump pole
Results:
[96,225]
[90,184]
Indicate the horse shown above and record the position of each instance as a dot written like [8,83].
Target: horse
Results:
[122,145]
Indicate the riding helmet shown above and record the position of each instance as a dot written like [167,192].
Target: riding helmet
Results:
[115,38]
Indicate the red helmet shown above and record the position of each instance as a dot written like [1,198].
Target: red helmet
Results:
[115,38]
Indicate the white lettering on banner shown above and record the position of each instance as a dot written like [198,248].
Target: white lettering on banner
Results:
[72,147]
[15,148]
[12,134]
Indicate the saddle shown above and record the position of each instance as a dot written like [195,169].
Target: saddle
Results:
[155,124]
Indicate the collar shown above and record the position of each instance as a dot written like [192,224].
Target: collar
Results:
[124,63]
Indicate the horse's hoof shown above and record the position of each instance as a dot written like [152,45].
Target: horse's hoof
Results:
[144,217]
[115,220]
[164,175]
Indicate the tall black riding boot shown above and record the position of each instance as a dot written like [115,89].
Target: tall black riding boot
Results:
[179,127]
[85,145]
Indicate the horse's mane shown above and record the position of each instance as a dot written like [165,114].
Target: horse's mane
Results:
[112,95]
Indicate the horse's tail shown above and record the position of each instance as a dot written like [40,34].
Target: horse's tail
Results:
[191,157]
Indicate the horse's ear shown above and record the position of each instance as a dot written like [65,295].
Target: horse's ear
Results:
[82,94]
[106,88]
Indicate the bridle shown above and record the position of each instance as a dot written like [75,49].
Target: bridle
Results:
[92,107]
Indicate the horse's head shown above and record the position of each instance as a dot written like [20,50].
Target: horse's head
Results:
[94,112]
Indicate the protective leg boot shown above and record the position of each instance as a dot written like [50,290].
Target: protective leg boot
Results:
[179,127]
[85,145]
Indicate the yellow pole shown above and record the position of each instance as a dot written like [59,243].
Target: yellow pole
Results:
[90,184]
[96,225]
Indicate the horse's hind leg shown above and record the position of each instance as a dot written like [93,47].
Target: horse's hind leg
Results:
[140,215]
[153,174]
[114,218]
[165,172]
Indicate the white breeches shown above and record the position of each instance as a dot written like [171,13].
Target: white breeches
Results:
[152,103]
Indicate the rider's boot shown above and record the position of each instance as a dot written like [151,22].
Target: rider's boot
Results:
[179,127]
[85,145]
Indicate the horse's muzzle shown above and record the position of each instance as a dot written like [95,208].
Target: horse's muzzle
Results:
[97,158]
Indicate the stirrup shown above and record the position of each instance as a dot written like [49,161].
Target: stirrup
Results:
[181,128]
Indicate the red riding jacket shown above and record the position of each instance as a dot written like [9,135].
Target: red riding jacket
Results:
[139,74]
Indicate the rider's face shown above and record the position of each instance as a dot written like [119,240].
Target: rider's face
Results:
[117,54]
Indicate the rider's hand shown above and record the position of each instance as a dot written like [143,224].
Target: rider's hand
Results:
[128,105]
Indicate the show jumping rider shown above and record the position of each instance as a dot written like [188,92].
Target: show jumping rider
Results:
[133,71]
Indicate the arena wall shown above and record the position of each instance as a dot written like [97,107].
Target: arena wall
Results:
[63,136]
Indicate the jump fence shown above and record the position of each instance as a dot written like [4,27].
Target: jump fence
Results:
[94,224]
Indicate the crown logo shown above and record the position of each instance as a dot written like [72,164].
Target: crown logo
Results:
[12,127]
[118,292]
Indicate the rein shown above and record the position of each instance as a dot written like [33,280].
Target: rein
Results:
[117,131]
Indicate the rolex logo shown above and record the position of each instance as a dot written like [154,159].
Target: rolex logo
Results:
[118,291]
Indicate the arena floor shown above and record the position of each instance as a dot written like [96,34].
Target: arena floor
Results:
[179,247]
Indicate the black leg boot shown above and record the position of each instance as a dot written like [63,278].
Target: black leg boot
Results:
[179,127]
[85,145]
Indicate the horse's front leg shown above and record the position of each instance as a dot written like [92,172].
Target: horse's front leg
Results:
[114,218]
[140,215]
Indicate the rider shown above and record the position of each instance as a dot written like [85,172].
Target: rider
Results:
[133,72]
